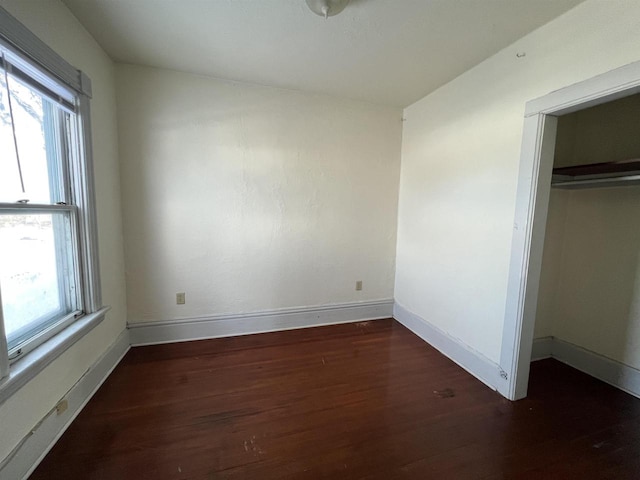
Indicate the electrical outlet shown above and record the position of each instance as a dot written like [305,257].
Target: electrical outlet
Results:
[180,298]
[62,406]
[359,285]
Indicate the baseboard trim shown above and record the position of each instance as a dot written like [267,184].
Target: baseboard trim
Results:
[470,360]
[541,348]
[610,371]
[187,329]
[24,459]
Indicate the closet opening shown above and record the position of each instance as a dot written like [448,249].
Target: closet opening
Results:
[588,305]
[574,279]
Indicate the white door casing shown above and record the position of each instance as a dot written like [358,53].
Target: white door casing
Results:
[532,202]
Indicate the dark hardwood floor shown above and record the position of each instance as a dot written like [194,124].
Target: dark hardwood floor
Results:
[355,401]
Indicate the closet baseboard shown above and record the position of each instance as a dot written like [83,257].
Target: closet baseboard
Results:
[610,371]
[542,348]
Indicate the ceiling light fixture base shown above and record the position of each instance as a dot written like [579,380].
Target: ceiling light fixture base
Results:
[327,8]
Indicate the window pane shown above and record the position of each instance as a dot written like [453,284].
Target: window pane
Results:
[35,174]
[37,277]
[9,177]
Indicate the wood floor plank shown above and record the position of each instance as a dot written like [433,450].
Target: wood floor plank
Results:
[356,401]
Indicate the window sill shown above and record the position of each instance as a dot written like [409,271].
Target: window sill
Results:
[40,358]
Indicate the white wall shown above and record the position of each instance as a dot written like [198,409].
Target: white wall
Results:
[55,25]
[460,156]
[251,198]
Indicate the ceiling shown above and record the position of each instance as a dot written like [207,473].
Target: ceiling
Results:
[390,52]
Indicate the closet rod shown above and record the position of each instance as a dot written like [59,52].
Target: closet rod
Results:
[596,182]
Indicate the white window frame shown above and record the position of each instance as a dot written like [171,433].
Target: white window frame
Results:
[26,46]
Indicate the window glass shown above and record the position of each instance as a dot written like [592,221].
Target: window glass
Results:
[30,167]
[37,276]
[9,176]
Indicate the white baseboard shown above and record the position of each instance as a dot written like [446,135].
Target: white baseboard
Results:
[472,361]
[23,460]
[610,371]
[150,333]
[541,348]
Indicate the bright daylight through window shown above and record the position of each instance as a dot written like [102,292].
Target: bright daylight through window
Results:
[45,237]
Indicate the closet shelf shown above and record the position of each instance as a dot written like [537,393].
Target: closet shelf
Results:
[611,174]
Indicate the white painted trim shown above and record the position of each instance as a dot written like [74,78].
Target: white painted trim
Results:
[27,367]
[469,359]
[617,83]
[81,164]
[532,201]
[23,460]
[542,348]
[4,349]
[610,371]
[216,326]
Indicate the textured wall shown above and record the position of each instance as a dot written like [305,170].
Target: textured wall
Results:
[250,198]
